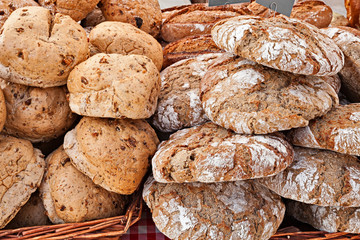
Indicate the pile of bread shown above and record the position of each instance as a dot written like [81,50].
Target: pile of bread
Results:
[250,97]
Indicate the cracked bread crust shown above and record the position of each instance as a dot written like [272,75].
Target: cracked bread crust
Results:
[231,210]
[249,98]
[74,197]
[21,171]
[338,130]
[282,43]
[209,153]
[115,86]
[319,177]
[39,49]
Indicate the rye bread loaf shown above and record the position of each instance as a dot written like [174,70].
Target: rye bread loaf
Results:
[250,98]
[320,177]
[209,153]
[348,39]
[314,12]
[21,171]
[353,12]
[338,130]
[189,47]
[124,38]
[329,219]
[282,43]
[113,153]
[231,210]
[179,102]
[197,20]
[115,86]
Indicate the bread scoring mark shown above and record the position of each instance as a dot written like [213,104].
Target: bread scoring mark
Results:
[355,117]
[197,115]
[341,37]
[348,138]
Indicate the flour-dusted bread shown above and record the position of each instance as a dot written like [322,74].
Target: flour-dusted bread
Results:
[330,219]
[144,14]
[113,153]
[209,153]
[115,86]
[197,19]
[70,196]
[39,49]
[250,98]
[320,177]
[8,6]
[282,43]
[37,114]
[230,210]
[189,47]
[314,12]
[21,170]
[124,38]
[338,130]
[179,104]
[76,9]
[348,39]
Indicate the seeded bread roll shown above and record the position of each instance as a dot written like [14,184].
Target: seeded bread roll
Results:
[230,210]
[37,114]
[338,130]
[282,43]
[319,177]
[39,49]
[115,86]
[76,9]
[21,170]
[8,6]
[124,38]
[70,196]
[113,153]
[249,98]
[144,14]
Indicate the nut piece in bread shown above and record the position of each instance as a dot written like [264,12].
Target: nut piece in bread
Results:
[76,9]
[283,43]
[124,38]
[113,153]
[229,210]
[39,49]
[8,6]
[37,114]
[143,14]
[115,86]
[70,196]
[21,170]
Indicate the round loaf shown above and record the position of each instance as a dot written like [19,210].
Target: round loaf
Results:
[329,219]
[94,18]
[76,9]
[338,130]
[348,39]
[231,210]
[179,102]
[144,14]
[319,177]
[353,12]
[115,86]
[282,43]
[209,153]
[37,114]
[315,12]
[39,49]
[113,153]
[71,196]
[124,38]
[21,170]
[249,98]
[8,6]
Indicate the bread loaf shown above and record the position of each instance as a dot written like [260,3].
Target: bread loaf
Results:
[8,6]
[353,12]
[314,12]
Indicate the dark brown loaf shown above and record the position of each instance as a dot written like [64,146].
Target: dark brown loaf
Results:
[230,210]
[316,13]
[209,153]
[338,130]
[353,12]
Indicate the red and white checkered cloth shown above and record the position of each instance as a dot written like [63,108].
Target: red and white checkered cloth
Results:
[144,229]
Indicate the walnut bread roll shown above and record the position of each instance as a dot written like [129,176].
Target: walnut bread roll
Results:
[8,6]
[113,153]
[21,170]
[115,86]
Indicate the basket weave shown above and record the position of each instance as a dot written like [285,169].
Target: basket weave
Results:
[294,233]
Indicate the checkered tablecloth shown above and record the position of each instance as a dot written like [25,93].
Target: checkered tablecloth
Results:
[145,229]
